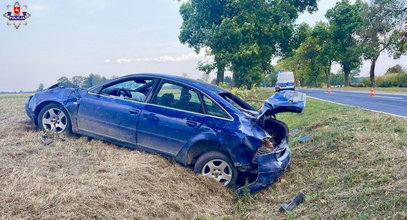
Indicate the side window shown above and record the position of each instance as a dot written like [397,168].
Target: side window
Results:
[179,97]
[135,89]
[213,109]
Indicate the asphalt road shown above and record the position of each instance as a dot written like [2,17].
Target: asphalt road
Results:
[389,103]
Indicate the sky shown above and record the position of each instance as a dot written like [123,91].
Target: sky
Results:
[111,38]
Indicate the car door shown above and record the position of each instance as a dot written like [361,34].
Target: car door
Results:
[114,111]
[171,119]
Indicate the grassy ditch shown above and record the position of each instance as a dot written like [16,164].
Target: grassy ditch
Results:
[354,167]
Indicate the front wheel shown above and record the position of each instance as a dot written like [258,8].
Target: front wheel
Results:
[217,165]
[53,117]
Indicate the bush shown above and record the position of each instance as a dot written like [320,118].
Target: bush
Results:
[392,80]
[357,85]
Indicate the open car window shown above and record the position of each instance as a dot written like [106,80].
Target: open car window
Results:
[178,97]
[134,89]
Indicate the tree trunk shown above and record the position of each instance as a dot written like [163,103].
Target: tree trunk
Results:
[220,73]
[328,74]
[347,74]
[234,80]
[372,68]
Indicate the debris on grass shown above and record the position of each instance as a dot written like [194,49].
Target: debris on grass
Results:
[305,138]
[298,199]
[295,131]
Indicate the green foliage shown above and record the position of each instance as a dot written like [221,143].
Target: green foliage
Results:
[243,35]
[337,79]
[81,81]
[93,79]
[396,69]
[228,81]
[345,20]
[313,58]
[392,80]
[382,24]
[270,80]
[65,82]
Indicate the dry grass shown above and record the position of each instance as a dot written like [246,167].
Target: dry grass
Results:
[353,168]
[77,178]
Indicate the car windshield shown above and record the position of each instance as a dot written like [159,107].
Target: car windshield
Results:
[237,102]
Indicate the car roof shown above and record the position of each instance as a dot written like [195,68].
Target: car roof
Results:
[205,87]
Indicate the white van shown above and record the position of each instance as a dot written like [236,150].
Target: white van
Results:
[285,81]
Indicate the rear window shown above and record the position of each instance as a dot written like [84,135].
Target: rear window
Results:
[286,77]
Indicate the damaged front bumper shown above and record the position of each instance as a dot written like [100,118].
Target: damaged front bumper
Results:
[28,110]
[270,167]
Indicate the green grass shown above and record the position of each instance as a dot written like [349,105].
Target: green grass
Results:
[354,167]
[401,90]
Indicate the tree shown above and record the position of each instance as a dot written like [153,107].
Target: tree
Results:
[308,54]
[322,34]
[65,82]
[346,20]
[270,80]
[337,79]
[313,57]
[40,87]
[381,30]
[206,68]
[228,81]
[78,80]
[93,79]
[242,35]
[395,69]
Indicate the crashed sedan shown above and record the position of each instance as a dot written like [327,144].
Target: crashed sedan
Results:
[194,123]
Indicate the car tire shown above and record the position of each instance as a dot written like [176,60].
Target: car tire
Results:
[218,166]
[54,118]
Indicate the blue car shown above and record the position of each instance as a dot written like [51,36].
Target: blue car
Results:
[194,123]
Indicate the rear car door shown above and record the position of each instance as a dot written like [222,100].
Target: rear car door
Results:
[114,111]
[172,118]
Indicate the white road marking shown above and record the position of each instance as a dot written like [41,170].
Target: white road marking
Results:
[387,97]
[400,116]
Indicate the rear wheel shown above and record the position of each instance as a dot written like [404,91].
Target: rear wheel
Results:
[54,118]
[217,165]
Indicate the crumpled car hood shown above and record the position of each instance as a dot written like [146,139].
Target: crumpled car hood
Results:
[287,101]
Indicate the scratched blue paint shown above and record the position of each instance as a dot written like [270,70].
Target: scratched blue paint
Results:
[176,134]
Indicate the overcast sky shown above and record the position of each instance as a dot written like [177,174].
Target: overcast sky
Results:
[76,37]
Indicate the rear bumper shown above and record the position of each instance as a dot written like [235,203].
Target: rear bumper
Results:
[270,168]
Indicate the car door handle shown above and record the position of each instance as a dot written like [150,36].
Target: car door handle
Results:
[192,124]
[134,112]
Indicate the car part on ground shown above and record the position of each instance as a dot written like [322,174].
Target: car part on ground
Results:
[179,118]
[305,138]
[298,199]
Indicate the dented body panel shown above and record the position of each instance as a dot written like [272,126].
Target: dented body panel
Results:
[178,134]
